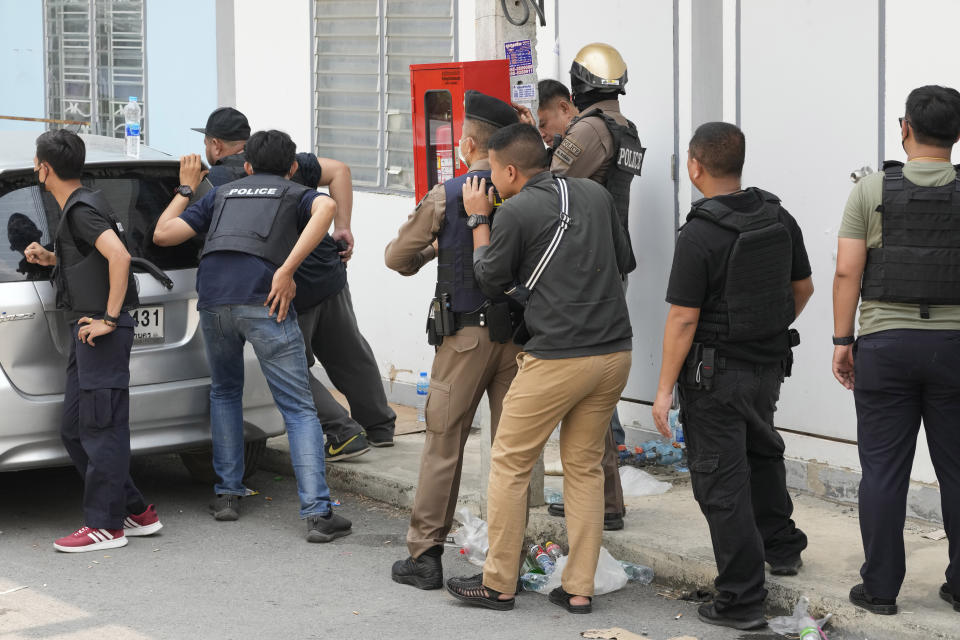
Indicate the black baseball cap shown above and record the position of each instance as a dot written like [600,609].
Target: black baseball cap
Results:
[226,123]
[480,106]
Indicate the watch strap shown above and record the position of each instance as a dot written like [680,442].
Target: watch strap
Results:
[844,341]
[109,319]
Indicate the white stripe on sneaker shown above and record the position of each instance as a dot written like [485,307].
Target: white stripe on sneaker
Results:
[106,533]
[128,522]
[93,535]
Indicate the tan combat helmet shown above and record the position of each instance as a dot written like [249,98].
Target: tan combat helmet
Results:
[598,66]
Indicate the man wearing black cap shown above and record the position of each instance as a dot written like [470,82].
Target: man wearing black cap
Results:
[476,353]
[224,138]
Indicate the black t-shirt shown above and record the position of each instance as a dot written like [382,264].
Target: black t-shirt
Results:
[700,266]
[321,275]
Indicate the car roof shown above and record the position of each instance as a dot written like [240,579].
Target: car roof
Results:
[17,149]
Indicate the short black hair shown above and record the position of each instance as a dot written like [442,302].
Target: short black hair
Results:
[720,147]
[481,132]
[550,90]
[308,170]
[934,115]
[64,151]
[270,152]
[520,145]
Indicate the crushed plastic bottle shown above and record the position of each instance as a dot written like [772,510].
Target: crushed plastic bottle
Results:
[553,497]
[623,455]
[534,581]
[553,550]
[530,565]
[545,561]
[131,115]
[637,572]
[423,387]
[682,465]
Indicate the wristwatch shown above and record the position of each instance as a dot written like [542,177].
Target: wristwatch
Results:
[110,320]
[184,190]
[844,341]
[477,219]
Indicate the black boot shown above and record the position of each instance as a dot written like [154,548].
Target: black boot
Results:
[425,572]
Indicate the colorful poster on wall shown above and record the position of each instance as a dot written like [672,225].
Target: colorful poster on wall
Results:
[520,55]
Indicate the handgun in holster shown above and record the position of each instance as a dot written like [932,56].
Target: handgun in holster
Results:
[788,362]
[440,320]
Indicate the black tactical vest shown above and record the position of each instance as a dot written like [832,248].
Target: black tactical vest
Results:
[757,298]
[256,215]
[455,250]
[626,163]
[83,280]
[918,261]
[228,169]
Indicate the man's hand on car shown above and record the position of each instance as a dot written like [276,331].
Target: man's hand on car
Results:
[477,199]
[92,329]
[192,171]
[282,292]
[35,253]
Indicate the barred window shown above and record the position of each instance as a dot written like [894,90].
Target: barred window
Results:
[95,60]
[362,57]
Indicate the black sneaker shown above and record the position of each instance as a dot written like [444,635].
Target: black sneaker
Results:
[611,521]
[879,606]
[380,439]
[320,529]
[709,614]
[225,508]
[425,572]
[786,567]
[352,447]
[949,596]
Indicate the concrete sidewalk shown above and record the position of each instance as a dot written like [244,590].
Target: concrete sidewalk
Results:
[669,533]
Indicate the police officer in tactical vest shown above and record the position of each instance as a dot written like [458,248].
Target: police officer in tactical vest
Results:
[258,231]
[472,335]
[224,138]
[740,277]
[95,288]
[899,254]
[601,144]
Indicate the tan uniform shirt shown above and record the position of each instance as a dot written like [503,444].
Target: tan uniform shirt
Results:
[587,147]
[413,246]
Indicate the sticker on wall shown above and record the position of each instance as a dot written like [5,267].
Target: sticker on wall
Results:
[523,92]
[520,55]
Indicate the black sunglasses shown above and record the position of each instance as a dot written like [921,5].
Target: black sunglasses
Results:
[902,120]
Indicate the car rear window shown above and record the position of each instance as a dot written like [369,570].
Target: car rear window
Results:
[137,194]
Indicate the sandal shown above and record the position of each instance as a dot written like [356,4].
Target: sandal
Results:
[472,591]
[560,597]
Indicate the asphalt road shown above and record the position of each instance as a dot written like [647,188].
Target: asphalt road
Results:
[258,577]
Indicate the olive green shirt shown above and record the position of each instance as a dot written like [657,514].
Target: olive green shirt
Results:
[862,221]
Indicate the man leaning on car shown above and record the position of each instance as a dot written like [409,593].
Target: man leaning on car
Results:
[96,288]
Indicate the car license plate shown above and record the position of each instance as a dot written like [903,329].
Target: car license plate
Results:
[147,325]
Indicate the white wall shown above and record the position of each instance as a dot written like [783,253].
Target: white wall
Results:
[273,53]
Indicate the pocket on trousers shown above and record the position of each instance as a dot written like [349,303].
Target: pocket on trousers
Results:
[95,409]
[461,343]
[438,406]
[705,478]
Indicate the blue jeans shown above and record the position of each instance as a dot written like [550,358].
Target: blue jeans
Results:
[279,348]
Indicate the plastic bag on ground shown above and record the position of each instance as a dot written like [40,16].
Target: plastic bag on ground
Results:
[800,621]
[472,537]
[610,575]
[637,482]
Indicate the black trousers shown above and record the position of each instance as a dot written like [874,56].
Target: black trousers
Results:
[903,376]
[96,425]
[331,333]
[739,481]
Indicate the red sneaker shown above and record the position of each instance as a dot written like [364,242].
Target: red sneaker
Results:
[87,539]
[143,524]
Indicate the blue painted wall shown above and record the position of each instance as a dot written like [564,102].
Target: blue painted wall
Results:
[21,63]
[181,72]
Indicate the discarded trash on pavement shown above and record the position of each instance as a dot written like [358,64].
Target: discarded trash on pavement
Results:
[800,623]
[636,482]
[471,537]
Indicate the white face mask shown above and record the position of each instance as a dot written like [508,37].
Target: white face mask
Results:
[463,158]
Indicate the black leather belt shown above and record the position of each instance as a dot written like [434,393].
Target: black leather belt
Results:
[471,319]
[732,364]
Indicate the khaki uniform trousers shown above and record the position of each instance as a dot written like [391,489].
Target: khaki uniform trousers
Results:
[465,366]
[581,394]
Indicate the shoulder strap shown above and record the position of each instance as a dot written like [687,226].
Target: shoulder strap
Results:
[892,175]
[564,222]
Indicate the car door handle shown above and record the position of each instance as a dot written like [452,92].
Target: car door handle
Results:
[145,265]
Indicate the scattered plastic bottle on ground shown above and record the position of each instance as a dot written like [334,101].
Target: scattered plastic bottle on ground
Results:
[534,581]
[530,565]
[553,497]
[623,454]
[811,632]
[131,114]
[553,550]
[545,561]
[423,387]
[637,572]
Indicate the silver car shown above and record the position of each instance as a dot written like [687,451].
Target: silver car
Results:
[169,381]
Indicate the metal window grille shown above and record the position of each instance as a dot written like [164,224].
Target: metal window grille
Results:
[95,60]
[363,50]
